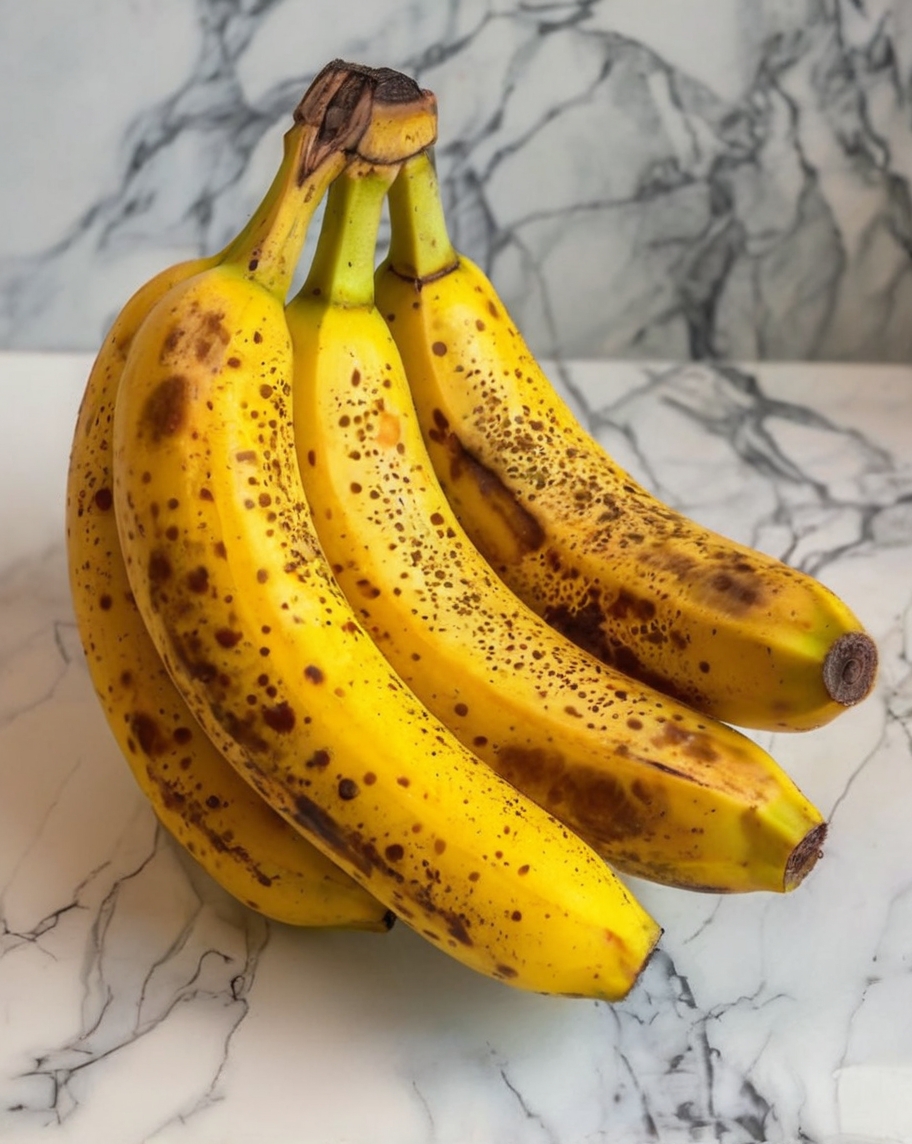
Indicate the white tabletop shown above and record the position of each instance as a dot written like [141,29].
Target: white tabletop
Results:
[139,1003]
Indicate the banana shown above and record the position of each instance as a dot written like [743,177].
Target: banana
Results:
[197,796]
[657,790]
[229,576]
[723,628]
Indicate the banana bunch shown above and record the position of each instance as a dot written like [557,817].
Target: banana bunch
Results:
[366,647]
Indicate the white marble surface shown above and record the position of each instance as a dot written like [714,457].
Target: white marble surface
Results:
[139,1004]
[674,179]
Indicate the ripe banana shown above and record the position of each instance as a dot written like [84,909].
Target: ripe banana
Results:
[728,631]
[197,796]
[230,579]
[657,790]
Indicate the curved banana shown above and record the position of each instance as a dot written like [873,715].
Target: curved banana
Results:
[197,796]
[656,789]
[725,629]
[229,576]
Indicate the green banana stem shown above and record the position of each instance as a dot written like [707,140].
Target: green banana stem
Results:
[420,246]
[342,271]
[268,248]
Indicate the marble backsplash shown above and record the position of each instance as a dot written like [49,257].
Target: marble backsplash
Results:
[679,179]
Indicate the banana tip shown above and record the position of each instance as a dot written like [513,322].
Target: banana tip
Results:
[850,668]
[804,857]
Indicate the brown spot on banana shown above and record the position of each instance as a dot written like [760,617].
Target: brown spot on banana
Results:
[165,410]
[349,845]
[627,606]
[280,717]
[242,729]
[198,580]
[148,734]
[159,569]
[696,744]
[739,593]
[348,789]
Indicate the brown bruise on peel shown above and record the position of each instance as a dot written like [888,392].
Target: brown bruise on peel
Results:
[661,808]
[186,791]
[165,410]
[361,852]
[526,531]
[605,808]
[588,627]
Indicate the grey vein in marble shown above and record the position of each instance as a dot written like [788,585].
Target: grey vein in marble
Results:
[681,180]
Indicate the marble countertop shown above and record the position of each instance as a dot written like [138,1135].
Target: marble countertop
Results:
[138,1003]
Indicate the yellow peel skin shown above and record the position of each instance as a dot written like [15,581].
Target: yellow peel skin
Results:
[197,796]
[658,790]
[725,629]
[238,597]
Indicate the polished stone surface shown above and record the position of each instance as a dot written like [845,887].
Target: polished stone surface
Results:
[138,1003]
[679,179]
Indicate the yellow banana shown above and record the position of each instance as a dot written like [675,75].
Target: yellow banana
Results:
[725,629]
[198,797]
[656,789]
[237,595]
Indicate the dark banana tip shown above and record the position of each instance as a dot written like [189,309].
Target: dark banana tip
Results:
[850,668]
[804,857]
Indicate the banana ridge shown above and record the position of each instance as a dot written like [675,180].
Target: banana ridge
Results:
[658,790]
[725,629]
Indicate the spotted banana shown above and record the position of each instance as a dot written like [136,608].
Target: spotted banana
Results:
[725,629]
[198,797]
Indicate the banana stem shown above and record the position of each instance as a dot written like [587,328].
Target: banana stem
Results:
[420,246]
[330,121]
[269,246]
[342,271]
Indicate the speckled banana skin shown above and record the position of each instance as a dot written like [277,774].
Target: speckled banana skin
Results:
[723,628]
[195,793]
[241,604]
[658,790]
